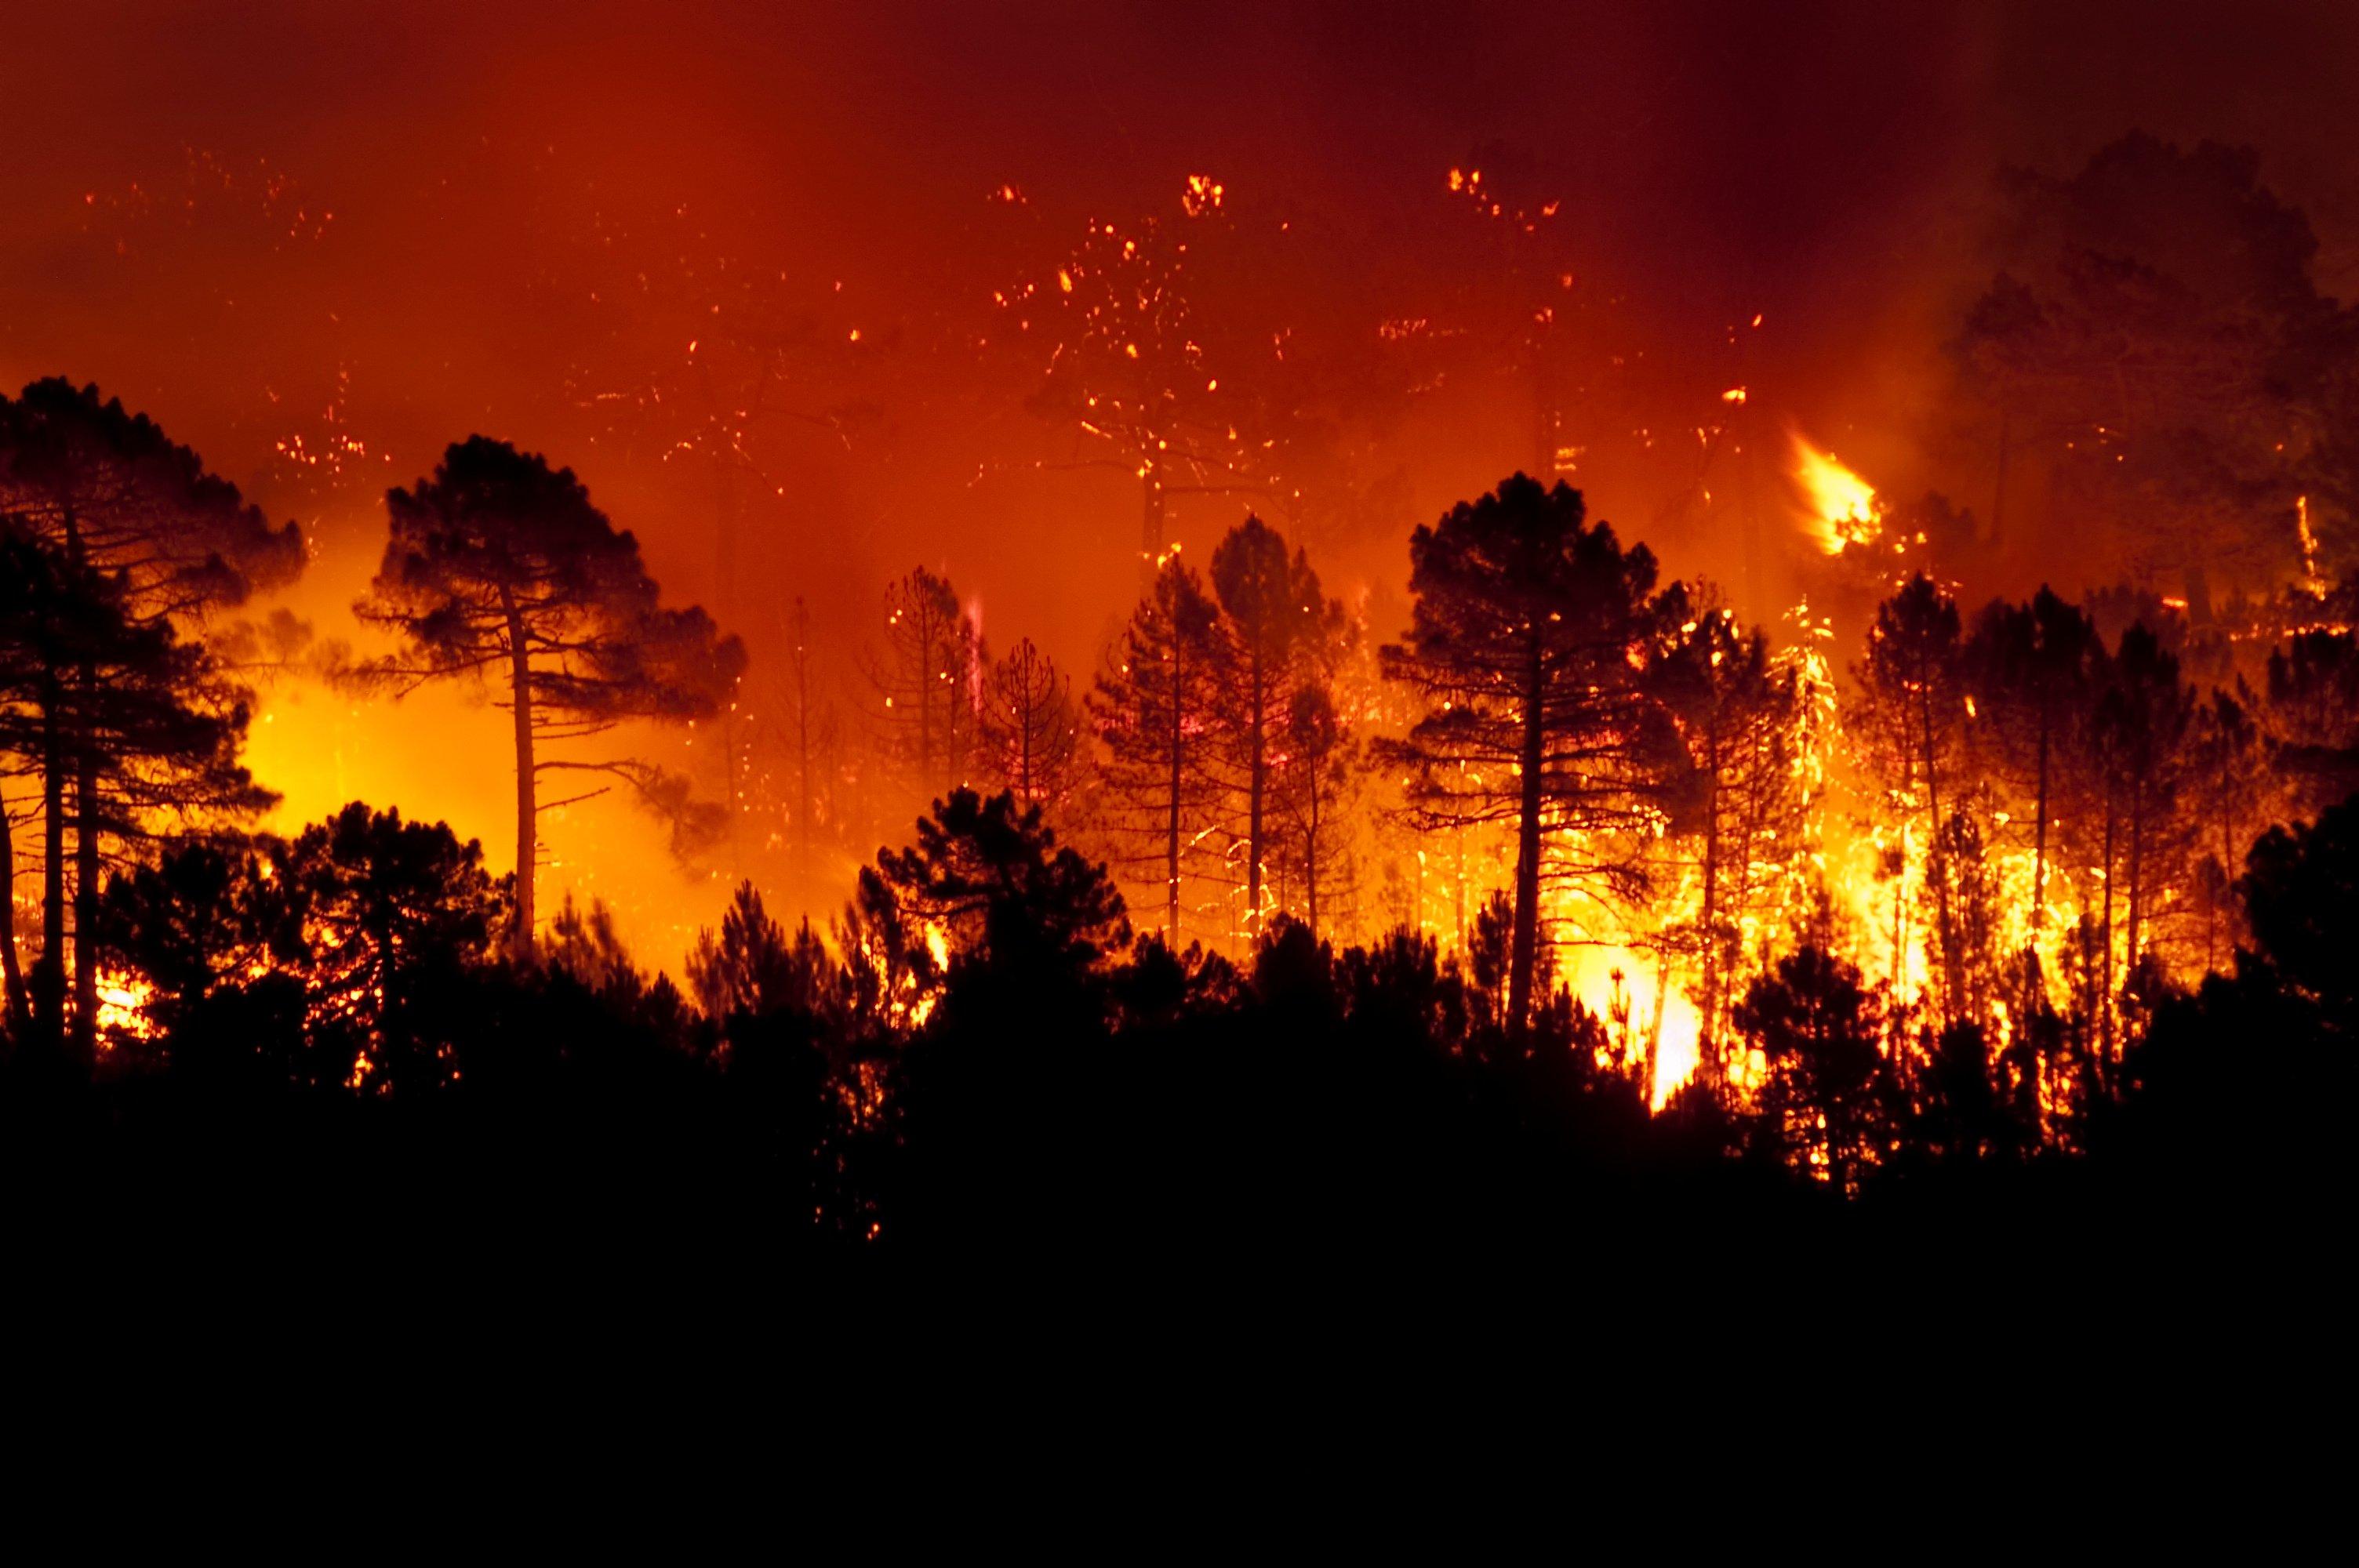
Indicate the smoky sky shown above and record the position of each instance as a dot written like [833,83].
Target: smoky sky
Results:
[1824,164]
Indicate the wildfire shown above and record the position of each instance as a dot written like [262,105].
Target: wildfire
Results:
[1841,508]
[122,1007]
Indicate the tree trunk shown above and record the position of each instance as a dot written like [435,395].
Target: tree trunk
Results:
[1937,860]
[1024,727]
[1171,841]
[2137,881]
[1256,773]
[85,907]
[1707,1036]
[1523,952]
[528,813]
[49,973]
[1311,859]
[2105,933]
[16,999]
[803,758]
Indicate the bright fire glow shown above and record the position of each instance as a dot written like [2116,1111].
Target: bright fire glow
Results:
[1841,508]
[122,1007]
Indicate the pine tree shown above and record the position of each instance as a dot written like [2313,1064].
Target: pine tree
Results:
[1906,720]
[1317,783]
[498,566]
[926,679]
[1031,733]
[1530,629]
[1154,710]
[1741,714]
[1281,636]
[114,496]
[140,721]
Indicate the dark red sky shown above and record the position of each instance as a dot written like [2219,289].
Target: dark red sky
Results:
[1823,164]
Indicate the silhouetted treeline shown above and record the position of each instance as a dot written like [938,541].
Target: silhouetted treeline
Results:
[983,1055]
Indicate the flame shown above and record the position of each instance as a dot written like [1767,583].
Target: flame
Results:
[122,1007]
[1842,507]
[2311,581]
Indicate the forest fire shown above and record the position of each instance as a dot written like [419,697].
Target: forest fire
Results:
[492,636]
[1841,508]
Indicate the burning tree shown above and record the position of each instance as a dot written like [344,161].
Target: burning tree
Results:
[1154,708]
[1908,720]
[1531,634]
[1746,716]
[139,536]
[499,566]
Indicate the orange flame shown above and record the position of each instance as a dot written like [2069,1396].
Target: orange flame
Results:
[1841,508]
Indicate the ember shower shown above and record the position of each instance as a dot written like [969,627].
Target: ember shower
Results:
[1116,407]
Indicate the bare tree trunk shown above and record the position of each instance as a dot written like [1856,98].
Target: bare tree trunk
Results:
[1523,952]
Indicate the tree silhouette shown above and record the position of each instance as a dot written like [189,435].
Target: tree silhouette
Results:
[1314,790]
[1031,733]
[1155,710]
[116,498]
[1819,1028]
[1908,714]
[377,924]
[1742,715]
[141,721]
[754,967]
[991,878]
[926,679]
[2137,739]
[1280,634]
[1530,628]
[2033,669]
[499,566]
[394,912]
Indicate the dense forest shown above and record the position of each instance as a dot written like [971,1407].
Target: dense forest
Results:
[1558,900]
[2040,894]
